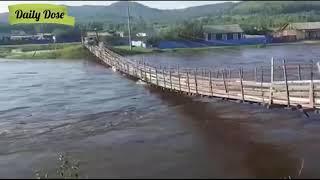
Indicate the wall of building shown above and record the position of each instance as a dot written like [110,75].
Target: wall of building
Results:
[138,44]
[223,36]
[300,35]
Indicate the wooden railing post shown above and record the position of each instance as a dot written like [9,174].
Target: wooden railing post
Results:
[255,74]
[261,85]
[241,84]
[135,69]
[195,80]
[179,79]
[145,72]
[210,83]
[286,81]
[188,83]
[311,91]
[299,72]
[224,81]
[164,78]
[128,69]
[141,76]
[271,83]
[157,81]
[170,79]
[150,75]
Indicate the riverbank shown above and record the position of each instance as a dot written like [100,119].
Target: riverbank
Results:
[76,51]
[125,50]
[41,51]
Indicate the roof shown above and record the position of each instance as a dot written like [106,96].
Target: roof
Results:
[141,34]
[93,33]
[232,28]
[305,25]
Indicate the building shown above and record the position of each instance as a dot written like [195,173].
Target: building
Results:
[138,43]
[18,33]
[21,37]
[141,34]
[120,33]
[298,31]
[100,34]
[223,32]
[44,36]
[4,36]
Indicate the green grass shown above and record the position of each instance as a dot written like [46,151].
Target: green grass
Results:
[61,51]
[42,47]
[4,52]
[125,50]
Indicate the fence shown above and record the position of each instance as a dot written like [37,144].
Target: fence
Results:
[283,84]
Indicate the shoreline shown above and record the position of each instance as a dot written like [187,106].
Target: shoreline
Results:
[43,51]
[125,49]
[75,50]
[48,44]
[251,45]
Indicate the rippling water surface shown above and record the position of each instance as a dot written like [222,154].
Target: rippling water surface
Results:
[116,127]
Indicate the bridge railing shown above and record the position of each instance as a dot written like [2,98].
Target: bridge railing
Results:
[281,83]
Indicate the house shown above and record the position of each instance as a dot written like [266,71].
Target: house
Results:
[223,32]
[18,33]
[298,31]
[21,37]
[138,43]
[120,33]
[44,36]
[4,36]
[141,34]
[100,34]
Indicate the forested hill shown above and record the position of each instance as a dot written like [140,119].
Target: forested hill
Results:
[117,13]
[247,12]
[274,7]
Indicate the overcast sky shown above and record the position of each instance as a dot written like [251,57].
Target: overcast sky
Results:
[153,4]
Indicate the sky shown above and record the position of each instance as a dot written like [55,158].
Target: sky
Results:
[153,4]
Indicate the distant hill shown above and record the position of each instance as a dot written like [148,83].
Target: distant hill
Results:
[274,7]
[117,12]
[3,17]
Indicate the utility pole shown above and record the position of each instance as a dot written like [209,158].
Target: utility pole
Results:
[129,30]
[97,36]
[81,33]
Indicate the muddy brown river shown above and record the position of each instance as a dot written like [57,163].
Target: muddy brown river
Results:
[118,128]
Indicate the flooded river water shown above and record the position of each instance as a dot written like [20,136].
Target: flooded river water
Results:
[118,128]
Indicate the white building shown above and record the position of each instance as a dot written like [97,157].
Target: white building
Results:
[138,44]
[141,34]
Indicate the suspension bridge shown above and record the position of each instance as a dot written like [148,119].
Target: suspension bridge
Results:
[286,84]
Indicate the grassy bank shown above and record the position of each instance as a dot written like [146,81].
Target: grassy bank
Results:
[58,51]
[198,49]
[125,50]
